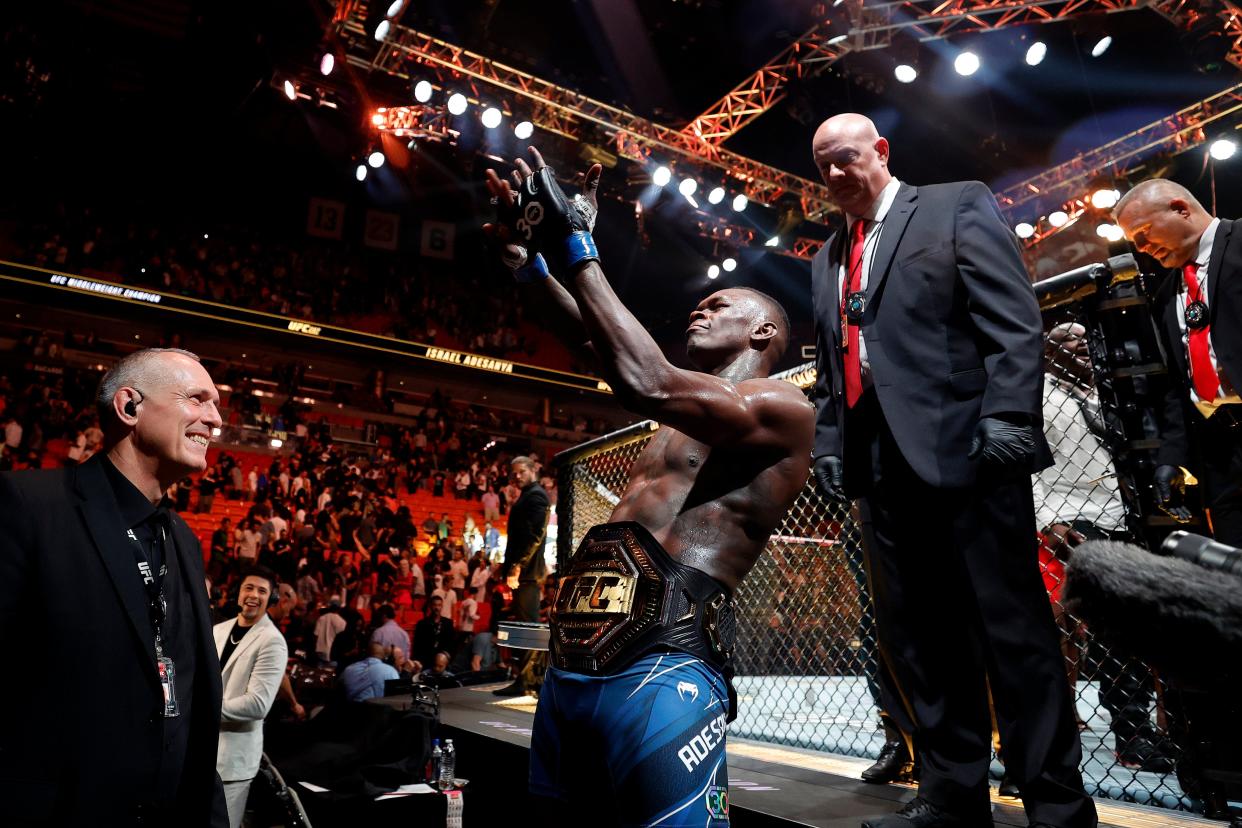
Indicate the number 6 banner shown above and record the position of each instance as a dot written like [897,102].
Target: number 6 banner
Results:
[437,239]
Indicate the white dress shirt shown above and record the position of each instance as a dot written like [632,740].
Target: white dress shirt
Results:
[1226,394]
[875,217]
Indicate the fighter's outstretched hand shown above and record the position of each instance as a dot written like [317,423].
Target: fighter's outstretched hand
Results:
[536,216]
[525,264]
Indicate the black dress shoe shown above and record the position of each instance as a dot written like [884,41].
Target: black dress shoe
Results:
[1143,754]
[1009,788]
[518,688]
[919,813]
[894,765]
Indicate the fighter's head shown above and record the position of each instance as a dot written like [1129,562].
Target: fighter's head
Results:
[853,161]
[733,321]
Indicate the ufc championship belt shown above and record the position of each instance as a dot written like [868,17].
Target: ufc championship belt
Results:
[624,596]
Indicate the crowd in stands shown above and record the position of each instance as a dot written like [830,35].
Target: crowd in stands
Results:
[335,525]
[347,284]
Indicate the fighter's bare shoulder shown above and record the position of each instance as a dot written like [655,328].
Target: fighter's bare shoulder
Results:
[779,403]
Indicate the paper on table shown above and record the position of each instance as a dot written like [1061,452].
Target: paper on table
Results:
[404,790]
[313,788]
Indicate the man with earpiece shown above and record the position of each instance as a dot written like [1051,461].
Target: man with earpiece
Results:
[93,562]
[253,655]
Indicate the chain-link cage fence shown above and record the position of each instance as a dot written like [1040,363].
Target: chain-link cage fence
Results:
[806,654]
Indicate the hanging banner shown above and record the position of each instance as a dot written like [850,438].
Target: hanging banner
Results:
[437,240]
[325,219]
[381,230]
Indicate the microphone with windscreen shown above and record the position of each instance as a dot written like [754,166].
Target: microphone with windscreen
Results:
[1181,614]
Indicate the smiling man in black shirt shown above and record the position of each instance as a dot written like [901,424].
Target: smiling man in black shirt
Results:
[90,559]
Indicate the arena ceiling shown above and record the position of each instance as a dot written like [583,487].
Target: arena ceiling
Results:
[178,101]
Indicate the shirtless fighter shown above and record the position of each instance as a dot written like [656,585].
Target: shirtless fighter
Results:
[630,726]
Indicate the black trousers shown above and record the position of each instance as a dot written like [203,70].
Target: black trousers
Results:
[960,605]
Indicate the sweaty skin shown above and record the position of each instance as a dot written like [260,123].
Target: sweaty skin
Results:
[734,447]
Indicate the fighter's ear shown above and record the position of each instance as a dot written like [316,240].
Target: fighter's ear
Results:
[764,331]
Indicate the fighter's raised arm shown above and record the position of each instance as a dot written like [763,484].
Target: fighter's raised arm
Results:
[730,330]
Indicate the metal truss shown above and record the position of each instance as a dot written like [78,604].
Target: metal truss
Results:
[719,230]
[869,26]
[1067,182]
[574,115]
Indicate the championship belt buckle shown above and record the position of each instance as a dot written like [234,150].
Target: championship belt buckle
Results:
[611,595]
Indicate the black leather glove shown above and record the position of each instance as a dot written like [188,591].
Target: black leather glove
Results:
[1163,481]
[1001,443]
[830,476]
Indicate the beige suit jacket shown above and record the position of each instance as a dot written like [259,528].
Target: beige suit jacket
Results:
[251,679]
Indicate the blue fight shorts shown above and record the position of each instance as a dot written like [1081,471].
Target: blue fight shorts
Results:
[645,746]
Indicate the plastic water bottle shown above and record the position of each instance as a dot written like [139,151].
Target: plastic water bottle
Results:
[433,764]
[448,765]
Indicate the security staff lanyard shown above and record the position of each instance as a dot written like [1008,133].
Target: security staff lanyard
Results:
[157,608]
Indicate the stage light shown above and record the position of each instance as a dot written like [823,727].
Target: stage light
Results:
[422,91]
[1222,149]
[1101,46]
[1024,230]
[394,8]
[377,119]
[966,64]
[729,264]
[492,117]
[1105,199]
[905,73]
[1058,218]
[716,195]
[841,38]
[291,91]
[661,176]
[457,103]
[713,271]
[381,31]
[739,203]
[1109,231]
[361,172]
[523,130]
[276,442]
[772,242]
[327,63]
[1036,52]
[688,186]
[215,431]
[376,159]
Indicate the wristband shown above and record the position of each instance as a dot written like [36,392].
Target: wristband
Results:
[536,270]
[580,248]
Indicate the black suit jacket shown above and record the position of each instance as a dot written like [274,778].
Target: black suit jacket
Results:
[951,326]
[528,526]
[81,733]
[1181,422]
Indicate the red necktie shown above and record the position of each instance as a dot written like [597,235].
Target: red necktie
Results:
[1204,377]
[853,283]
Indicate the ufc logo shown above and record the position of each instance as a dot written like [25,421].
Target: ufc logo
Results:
[531,216]
[603,593]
